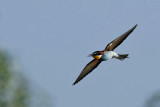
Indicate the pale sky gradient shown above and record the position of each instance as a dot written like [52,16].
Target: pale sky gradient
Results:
[52,38]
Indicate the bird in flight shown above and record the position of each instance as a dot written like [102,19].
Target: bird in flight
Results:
[104,55]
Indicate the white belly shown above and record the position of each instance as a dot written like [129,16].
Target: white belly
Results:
[109,55]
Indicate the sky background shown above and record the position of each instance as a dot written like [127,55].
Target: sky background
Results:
[52,38]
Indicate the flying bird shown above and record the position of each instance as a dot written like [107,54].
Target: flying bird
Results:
[104,55]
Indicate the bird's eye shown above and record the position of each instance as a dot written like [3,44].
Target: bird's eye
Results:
[95,53]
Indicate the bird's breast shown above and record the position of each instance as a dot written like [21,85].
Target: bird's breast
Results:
[107,55]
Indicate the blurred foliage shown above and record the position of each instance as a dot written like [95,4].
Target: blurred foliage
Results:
[12,92]
[15,89]
[154,101]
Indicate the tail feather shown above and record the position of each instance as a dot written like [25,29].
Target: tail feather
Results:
[122,56]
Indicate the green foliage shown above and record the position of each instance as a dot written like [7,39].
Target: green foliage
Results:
[4,72]
[14,91]
[154,101]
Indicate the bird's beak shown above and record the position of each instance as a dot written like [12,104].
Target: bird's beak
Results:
[90,55]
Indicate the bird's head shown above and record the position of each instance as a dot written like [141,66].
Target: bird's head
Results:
[96,54]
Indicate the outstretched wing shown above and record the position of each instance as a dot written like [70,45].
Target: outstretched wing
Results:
[112,45]
[88,68]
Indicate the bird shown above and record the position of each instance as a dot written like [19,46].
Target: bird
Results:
[105,55]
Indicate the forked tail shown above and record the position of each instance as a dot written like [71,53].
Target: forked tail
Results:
[122,56]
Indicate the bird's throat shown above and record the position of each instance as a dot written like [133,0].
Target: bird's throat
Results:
[97,57]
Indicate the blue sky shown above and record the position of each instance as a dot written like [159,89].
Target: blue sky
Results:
[52,38]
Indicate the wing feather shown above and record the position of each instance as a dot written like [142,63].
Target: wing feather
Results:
[88,68]
[115,43]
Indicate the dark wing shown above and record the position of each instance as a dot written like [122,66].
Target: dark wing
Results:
[88,68]
[112,45]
